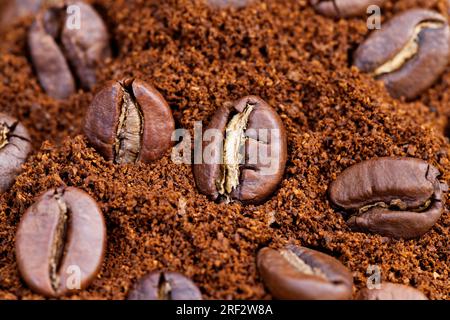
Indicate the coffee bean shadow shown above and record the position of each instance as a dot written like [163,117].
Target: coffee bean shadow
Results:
[447,130]
[263,244]
[350,53]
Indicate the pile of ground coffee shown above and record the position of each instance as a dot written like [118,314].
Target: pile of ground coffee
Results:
[198,58]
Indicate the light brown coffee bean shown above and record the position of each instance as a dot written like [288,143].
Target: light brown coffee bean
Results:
[408,54]
[60,242]
[298,273]
[165,286]
[395,197]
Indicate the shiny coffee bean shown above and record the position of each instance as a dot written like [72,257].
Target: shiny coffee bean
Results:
[60,242]
[14,149]
[391,291]
[298,273]
[165,286]
[244,152]
[61,40]
[129,121]
[408,54]
[344,8]
[394,197]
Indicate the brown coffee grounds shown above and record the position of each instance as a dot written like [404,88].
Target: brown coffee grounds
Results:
[298,62]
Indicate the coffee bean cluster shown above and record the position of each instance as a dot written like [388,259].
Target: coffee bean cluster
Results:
[129,121]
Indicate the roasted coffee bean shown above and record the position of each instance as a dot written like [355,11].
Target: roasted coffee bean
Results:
[165,286]
[60,41]
[246,161]
[60,242]
[298,273]
[229,3]
[343,8]
[129,121]
[408,54]
[391,291]
[14,149]
[394,197]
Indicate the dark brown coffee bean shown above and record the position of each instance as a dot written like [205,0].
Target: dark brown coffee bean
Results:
[60,242]
[395,197]
[246,161]
[298,273]
[344,8]
[229,3]
[60,43]
[129,121]
[408,54]
[14,149]
[165,286]
[391,291]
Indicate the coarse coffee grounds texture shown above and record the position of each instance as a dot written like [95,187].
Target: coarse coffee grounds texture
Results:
[199,58]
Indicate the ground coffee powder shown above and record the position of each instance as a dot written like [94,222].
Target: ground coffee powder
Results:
[199,58]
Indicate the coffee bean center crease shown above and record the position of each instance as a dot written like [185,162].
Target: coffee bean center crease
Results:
[301,265]
[164,288]
[4,131]
[128,139]
[410,49]
[59,241]
[233,153]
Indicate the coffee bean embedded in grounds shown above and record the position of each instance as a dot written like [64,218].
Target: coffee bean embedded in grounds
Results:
[60,242]
[15,146]
[344,8]
[245,157]
[129,121]
[298,273]
[198,58]
[164,286]
[58,46]
[390,291]
[394,197]
[408,54]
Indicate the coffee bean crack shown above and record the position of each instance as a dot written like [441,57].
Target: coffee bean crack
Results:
[59,241]
[300,265]
[233,152]
[128,140]
[4,132]
[409,51]
[7,132]
[164,288]
[400,205]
